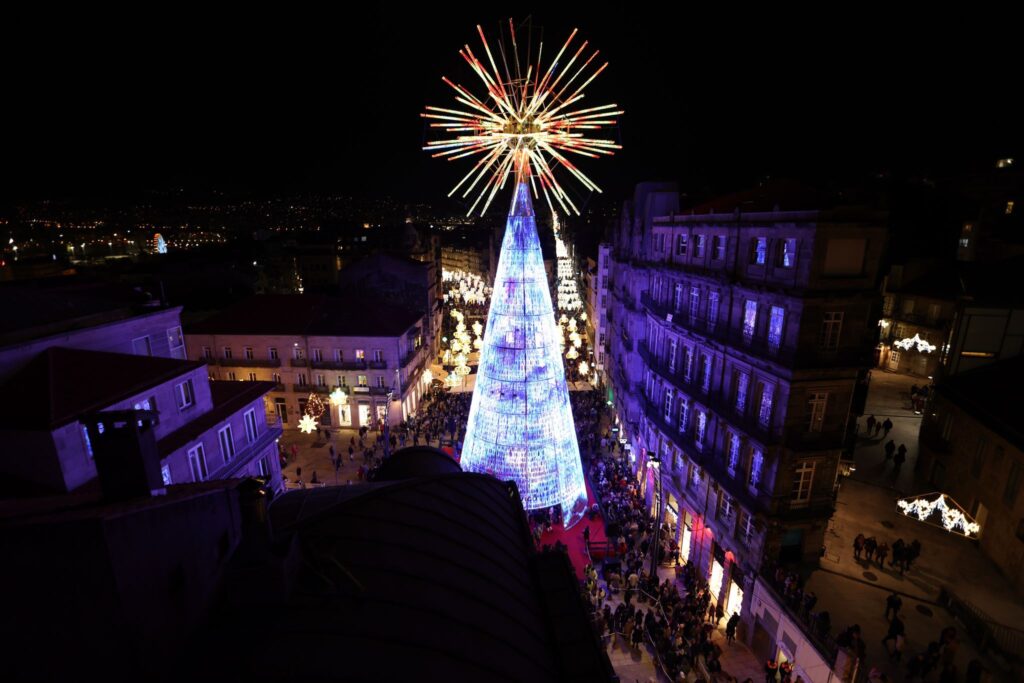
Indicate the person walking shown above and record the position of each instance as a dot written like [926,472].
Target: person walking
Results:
[893,603]
[896,634]
[858,546]
[869,548]
[878,428]
[887,425]
[871,424]
[899,459]
[890,449]
[730,627]
[881,553]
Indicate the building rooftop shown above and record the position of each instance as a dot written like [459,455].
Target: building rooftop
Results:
[39,308]
[309,315]
[61,384]
[429,578]
[982,393]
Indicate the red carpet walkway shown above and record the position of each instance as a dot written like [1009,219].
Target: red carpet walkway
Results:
[573,538]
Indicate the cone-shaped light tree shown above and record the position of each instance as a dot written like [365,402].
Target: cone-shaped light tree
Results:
[520,421]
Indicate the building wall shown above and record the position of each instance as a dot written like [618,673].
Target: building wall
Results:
[298,374]
[158,327]
[983,335]
[984,473]
[907,315]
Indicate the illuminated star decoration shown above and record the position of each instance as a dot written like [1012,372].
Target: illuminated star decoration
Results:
[527,124]
[338,396]
[951,516]
[307,425]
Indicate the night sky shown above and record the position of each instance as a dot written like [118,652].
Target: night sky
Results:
[333,105]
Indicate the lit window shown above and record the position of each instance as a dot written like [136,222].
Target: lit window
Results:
[684,414]
[719,248]
[1009,208]
[760,251]
[694,304]
[764,414]
[681,245]
[672,344]
[360,354]
[775,327]
[787,253]
[668,406]
[705,378]
[86,441]
[165,474]
[712,310]
[749,320]
[742,382]
[702,425]
[361,380]
[678,297]
[698,250]
[734,453]
[756,463]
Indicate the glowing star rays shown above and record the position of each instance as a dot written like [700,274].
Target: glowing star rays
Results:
[307,425]
[526,125]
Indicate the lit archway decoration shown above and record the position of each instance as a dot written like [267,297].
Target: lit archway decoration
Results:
[939,509]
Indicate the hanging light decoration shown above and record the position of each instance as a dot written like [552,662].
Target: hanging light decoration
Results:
[573,354]
[584,368]
[307,424]
[339,397]
[315,407]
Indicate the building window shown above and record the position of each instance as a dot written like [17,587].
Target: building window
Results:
[698,248]
[705,377]
[1012,486]
[831,328]
[207,353]
[298,353]
[264,468]
[725,507]
[275,377]
[197,463]
[712,310]
[251,426]
[759,251]
[141,347]
[320,381]
[694,304]
[342,381]
[756,463]
[227,352]
[1009,207]
[380,382]
[272,353]
[684,413]
[816,410]
[787,253]
[681,245]
[668,406]
[227,444]
[718,248]
[659,242]
[176,342]
[361,379]
[734,453]
[301,377]
[378,356]
[678,301]
[318,356]
[803,479]
[184,394]
[339,356]
[749,319]
[687,364]
[775,322]
[764,413]
[252,376]
[86,441]
[672,345]
[165,474]
[231,376]
[360,354]
[702,425]
[742,384]
[248,353]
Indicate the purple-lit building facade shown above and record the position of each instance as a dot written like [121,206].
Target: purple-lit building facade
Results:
[738,340]
[104,353]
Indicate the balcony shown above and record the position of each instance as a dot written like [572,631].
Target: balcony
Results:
[378,365]
[411,356]
[249,363]
[299,362]
[311,389]
[711,329]
[339,364]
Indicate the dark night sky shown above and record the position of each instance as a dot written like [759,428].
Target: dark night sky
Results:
[333,105]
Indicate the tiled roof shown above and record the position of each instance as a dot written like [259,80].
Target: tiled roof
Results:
[311,315]
[60,384]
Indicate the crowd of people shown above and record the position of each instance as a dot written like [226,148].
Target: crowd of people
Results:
[871,550]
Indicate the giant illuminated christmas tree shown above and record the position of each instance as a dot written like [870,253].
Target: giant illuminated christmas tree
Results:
[520,421]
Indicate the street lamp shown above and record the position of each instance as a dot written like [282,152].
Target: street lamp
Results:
[655,464]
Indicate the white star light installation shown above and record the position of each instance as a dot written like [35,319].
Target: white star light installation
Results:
[952,517]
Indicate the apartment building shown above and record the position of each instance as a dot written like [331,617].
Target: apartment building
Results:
[314,344]
[739,341]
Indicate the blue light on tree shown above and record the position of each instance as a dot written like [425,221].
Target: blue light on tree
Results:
[520,421]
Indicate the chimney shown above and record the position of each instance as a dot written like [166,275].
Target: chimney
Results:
[124,448]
